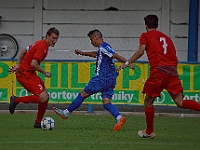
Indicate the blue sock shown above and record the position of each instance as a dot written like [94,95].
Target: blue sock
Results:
[112,109]
[76,103]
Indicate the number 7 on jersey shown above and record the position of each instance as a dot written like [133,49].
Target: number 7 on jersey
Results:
[164,44]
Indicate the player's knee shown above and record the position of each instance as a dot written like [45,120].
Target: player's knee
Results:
[105,101]
[178,100]
[179,104]
[148,103]
[84,94]
[44,98]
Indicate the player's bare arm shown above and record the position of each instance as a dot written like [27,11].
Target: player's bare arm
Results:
[37,67]
[137,54]
[21,57]
[90,54]
[135,57]
[122,59]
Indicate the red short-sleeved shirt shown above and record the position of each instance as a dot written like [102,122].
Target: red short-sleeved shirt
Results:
[159,48]
[37,51]
[26,75]
[163,61]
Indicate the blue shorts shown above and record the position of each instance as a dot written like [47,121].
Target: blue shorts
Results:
[104,85]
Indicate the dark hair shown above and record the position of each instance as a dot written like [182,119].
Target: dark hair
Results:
[95,32]
[151,21]
[52,30]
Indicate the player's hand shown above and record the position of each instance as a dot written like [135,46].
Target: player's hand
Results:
[121,67]
[132,66]
[78,52]
[13,69]
[47,74]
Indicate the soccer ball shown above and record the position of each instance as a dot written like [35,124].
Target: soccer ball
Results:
[47,123]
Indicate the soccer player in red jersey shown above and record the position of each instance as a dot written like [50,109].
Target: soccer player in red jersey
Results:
[28,63]
[161,54]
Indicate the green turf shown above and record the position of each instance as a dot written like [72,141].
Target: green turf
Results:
[87,132]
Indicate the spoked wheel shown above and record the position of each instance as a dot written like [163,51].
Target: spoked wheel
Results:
[8,46]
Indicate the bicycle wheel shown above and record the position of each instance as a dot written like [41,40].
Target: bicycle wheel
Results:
[8,46]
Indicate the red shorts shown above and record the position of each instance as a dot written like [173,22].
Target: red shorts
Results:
[31,82]
[158,81]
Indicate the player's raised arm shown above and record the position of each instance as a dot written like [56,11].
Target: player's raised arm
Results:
[90,54]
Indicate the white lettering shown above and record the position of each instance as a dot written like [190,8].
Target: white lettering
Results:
[69,95]
[120,96]
[130,97]
[54,95]
[123,96]
[75,95]
[92,96]
[192,97]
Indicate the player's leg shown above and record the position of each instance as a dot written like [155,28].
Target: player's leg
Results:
[39,90]
[91,88]
[175,90]
[34,85]
[42,106]
[149,116]
[152,88]
[114,112]
[107,94]
[73,106]
[186,104]
[26,99]
[78,101]
[149,113]
[30,82]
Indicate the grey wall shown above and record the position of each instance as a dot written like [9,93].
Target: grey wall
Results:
[28,21]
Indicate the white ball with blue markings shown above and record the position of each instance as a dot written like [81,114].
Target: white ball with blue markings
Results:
[47,123]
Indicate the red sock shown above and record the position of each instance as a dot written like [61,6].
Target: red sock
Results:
[191,104]
[149,113]
[41,111]
[28,99]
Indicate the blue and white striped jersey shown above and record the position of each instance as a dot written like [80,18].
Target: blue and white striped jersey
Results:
[105,63]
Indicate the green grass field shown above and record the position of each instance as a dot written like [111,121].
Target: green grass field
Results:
[87,132]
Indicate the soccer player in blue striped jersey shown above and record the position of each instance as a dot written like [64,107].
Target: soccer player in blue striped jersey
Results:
[104,81]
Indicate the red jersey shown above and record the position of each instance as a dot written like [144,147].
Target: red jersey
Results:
[37,51]
[159,48]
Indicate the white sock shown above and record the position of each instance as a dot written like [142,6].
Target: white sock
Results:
[66,112]
[118,117]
